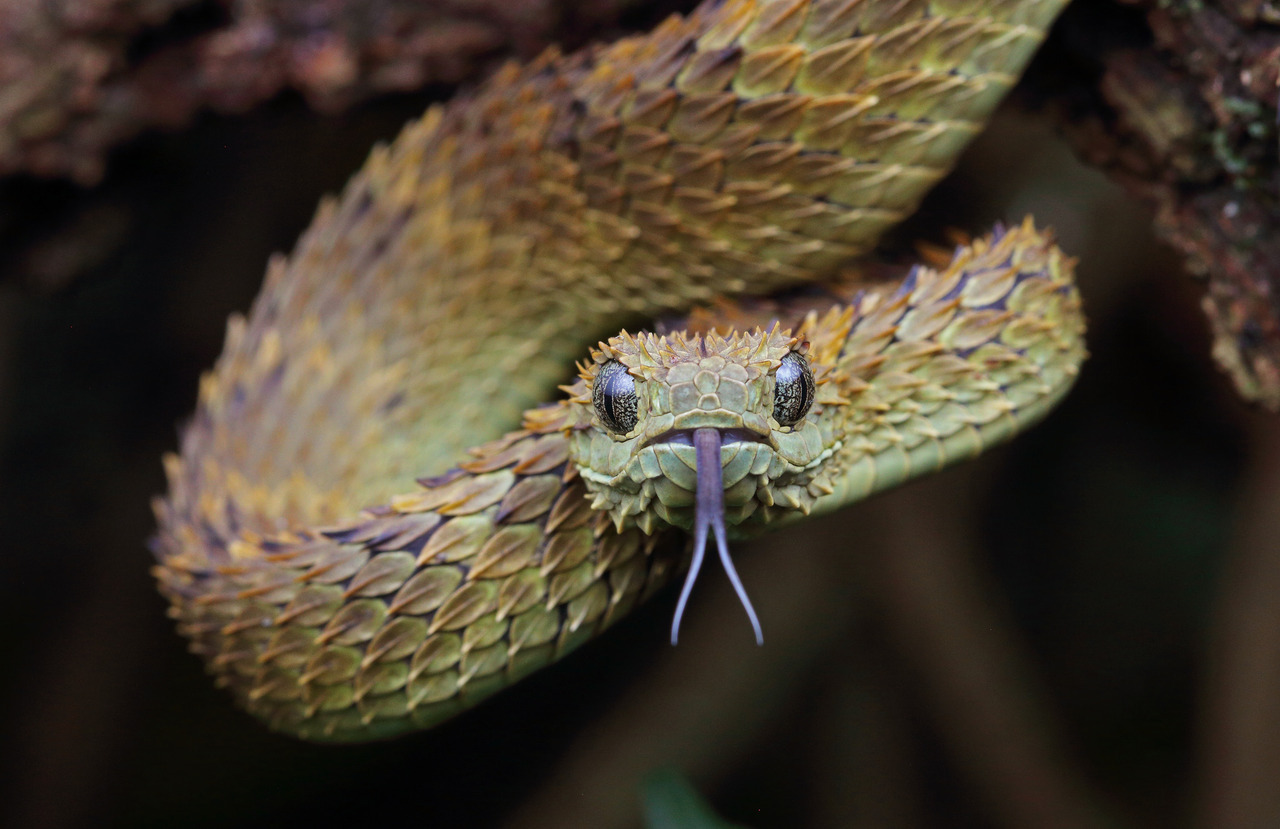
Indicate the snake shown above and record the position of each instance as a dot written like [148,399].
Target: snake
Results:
[382,510]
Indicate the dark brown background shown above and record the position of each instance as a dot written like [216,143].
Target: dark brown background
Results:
[1077,629]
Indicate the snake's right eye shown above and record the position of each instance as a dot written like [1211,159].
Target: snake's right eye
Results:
[614,396]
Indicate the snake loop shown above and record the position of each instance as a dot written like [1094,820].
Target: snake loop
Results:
[753,145]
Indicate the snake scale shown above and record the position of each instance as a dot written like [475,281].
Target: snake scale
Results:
[750,146]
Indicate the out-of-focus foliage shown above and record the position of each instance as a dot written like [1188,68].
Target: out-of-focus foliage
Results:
[671,802]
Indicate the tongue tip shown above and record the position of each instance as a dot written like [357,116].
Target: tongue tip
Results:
[709,515]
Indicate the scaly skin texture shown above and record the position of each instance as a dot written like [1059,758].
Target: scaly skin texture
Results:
[1006,305]
[748,147]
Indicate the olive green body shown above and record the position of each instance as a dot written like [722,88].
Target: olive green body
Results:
[750,146]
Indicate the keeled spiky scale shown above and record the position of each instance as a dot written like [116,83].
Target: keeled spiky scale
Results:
[751,145]
[336,663]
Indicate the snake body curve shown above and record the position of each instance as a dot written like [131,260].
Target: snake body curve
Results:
[753,145]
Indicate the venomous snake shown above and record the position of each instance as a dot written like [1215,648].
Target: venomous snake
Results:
[751,146]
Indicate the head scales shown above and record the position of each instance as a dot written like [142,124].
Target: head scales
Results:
[706,401]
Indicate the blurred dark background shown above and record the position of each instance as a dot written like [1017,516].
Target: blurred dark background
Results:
[1077,629]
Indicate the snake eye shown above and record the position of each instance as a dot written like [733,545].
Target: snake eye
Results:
[792,389]
[614,396]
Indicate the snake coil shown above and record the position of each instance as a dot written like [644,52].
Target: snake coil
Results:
[752,145]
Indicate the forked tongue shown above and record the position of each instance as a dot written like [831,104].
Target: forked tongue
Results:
[709,514]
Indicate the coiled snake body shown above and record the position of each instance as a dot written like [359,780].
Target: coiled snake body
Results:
[754,145]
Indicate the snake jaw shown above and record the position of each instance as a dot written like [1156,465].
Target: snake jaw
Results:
[686,437]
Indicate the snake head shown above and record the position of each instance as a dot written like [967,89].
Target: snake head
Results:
[702,432]
[642,399]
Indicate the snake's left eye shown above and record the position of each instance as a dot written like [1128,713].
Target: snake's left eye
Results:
[792,389]
[614,396]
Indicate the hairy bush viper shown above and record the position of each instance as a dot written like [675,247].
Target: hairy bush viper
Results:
[751,146]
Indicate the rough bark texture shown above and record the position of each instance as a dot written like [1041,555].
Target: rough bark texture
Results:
[79,76]
[1176,99]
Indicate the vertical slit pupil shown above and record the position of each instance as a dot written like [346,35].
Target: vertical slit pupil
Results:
[793,389]
[614,397]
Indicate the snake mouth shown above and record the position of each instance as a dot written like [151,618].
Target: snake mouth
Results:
[709,516]
[685,437]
